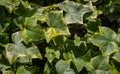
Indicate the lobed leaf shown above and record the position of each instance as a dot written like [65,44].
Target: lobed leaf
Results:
[105,40]
[74,11]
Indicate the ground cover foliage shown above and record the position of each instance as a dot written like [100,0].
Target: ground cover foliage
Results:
[59,36]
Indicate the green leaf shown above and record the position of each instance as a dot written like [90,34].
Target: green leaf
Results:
[22,70]
[13,51]
[57,27]
[88,66]
[74,11]
[46,69]
[115,1]
[25,9]
[79,63]
[117,40]
[3,27]
[32,30]
[4,38]
[93,26]
[51,54]
[68,56]
[116,56]
[4,65]
[105,40]
[19,51]
[91,0]
[63,67]
[100,63]
[9,3]
[33,69]
[8,72]
[100,72]
[16,37]
[34,52]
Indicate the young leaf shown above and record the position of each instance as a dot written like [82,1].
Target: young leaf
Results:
[16,37]
[51,54]
[79,63]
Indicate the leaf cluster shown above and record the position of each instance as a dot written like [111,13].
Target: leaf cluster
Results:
[59,36]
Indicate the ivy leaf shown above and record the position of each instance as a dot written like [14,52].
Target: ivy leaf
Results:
[3,27]
[4,65]
[8,72]
[100,72]
[13,51]
[91,0]
[57,27]
[9,3]
[74,11]
[19,51]
[105,40]
[16,37]
[79,63]
[22,70]
[88,66]
[51,54]
[4,38]
[100,63]
[32,30]
[116,56]
[63,67]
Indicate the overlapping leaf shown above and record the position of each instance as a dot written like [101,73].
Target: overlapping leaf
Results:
[105,41]
[4,65]
[8,72]
[32,30]
[20,51]
[74,11]
[63,67]
[51,54]
[57,26]
[100,63]
[9,3]
[116,56]
[22,70]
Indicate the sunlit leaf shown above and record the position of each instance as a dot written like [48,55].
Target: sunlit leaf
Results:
[15,51]
[16,37]
[105,41]
[22,70]
[57,27]
[8,72]
[74,11]
[32,30]
[79,63]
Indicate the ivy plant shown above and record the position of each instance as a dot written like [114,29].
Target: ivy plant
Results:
[59,36]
